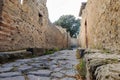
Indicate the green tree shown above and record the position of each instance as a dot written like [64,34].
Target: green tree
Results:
[71,24]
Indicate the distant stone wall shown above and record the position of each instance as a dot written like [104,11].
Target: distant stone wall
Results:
[26,25]
[74,42]
[100,27]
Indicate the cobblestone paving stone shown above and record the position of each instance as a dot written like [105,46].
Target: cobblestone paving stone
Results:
[57,66]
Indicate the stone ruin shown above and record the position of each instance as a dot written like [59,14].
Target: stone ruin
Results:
[25,24]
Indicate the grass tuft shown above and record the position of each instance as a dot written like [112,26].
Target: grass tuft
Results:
[81,68]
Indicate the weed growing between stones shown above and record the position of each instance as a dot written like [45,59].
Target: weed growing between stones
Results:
[32,56]
[77,54]
[81,68]
[106,51]
[56,49]
[48,52]
[51,51]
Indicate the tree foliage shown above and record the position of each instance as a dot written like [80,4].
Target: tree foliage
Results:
[71,24]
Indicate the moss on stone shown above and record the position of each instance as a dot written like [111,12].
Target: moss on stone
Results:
[106,51]
[51,51]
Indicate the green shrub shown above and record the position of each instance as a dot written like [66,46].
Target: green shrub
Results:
[48,52]
[56,49]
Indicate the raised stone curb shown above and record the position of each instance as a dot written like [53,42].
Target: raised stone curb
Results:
[101,65]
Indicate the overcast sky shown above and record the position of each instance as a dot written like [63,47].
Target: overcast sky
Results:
[57,8]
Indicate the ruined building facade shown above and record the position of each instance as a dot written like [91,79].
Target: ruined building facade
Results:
[100,27]
[26,25]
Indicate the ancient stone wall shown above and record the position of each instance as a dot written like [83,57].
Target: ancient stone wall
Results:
[25,25]
[58,36]
[101,25]
[22,25]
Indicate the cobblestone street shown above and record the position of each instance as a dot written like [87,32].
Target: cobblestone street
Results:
[57,66]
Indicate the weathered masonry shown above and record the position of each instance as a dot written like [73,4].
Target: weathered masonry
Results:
[25,24]
[100,27]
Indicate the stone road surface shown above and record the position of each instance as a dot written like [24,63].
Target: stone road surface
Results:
[57,66]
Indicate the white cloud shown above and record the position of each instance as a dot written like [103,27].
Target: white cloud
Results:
[57,8]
